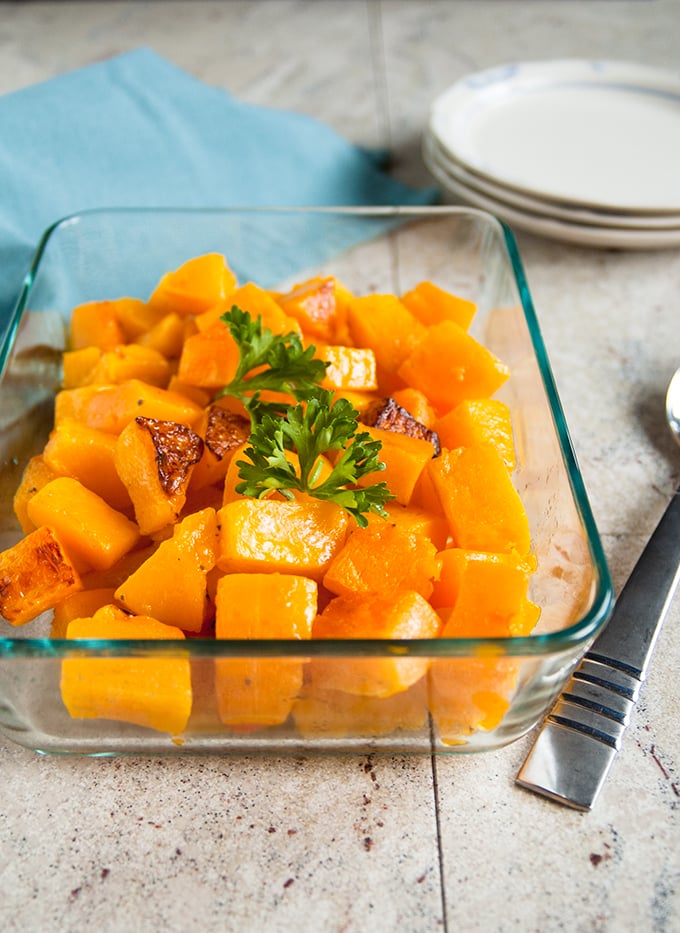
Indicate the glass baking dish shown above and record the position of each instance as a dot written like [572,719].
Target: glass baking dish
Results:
[473,693]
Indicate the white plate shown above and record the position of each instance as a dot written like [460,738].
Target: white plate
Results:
[592,133]
[558,210]
[582,234]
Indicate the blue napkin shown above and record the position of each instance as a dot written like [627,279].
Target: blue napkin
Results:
[136,131]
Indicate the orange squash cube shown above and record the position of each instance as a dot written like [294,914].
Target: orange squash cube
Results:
[94,534]
[111,408]
[166,337]
[209,358]
[78,366]
[36,474]
[171,584]
[386,326]
[195,286]
[300,537]
[79,605]
[349,368]
[223,433]
[449,365]
[432,305]
[260,303]
[130,361]
[95,324]
[255,606]
[483,508]
[151,692]
[76,450]
[403,614]
[479,421]
[136,317]
[381,558]
[35,574]
[404,457]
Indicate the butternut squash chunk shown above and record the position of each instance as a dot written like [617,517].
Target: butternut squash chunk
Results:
[349,368]
[381,558]
[154,460]
[130,361]
[432,305]
[386,326]
[195,286]
[171,585]
[166,336]
[95,324]
[482,506]
[209,358]
[479,421]
[94,534]
[299,537]
[468,694]
[76,450]
[261,605]
[449,365]
[37,474]
[260,303]
[111,408]
[35,574]
[78,366]
[79,605]
[401,614]
[404,457]
[150,692]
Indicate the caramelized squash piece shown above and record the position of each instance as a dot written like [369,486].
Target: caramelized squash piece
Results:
[35,574]
[195,286]
[402,614]
[223,432]
[154,460]
[94,534]
[150,692]
[261,605]
[171,584]
[417,405]
[388,415]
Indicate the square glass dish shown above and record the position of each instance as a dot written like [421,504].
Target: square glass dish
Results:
[468,693]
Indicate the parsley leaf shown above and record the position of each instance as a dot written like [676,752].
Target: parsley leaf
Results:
[268,361]
[319,426]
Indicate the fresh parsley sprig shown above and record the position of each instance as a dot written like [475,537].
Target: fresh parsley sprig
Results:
[268,361]
[311,429]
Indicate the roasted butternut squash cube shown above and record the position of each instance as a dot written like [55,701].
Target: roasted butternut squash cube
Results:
[154,460]
[87,454]
[386,326]
[195,286]
[313,305]
[209,358]
[130,361]
[151,692]
[404,457]
[403,614]
[449,365]
[381,558]
[171,584]
[432,305]
[351,368]
[479,421]
[95,324]
[37,473]
[94,534]
[111,408]
[483,508]
[223,432]
[35,574]
[300,537]
[261,691]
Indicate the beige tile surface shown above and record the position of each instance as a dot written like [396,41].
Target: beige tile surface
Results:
[387,844]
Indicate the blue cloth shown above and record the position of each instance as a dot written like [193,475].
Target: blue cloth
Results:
[136,131]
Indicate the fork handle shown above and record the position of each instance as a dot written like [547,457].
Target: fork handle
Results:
[582,734]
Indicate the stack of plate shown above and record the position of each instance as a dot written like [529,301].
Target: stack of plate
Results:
[580,151]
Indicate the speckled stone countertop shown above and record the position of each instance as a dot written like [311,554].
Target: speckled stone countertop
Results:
[353,844]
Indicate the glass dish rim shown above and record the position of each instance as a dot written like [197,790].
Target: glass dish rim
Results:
[545,644]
